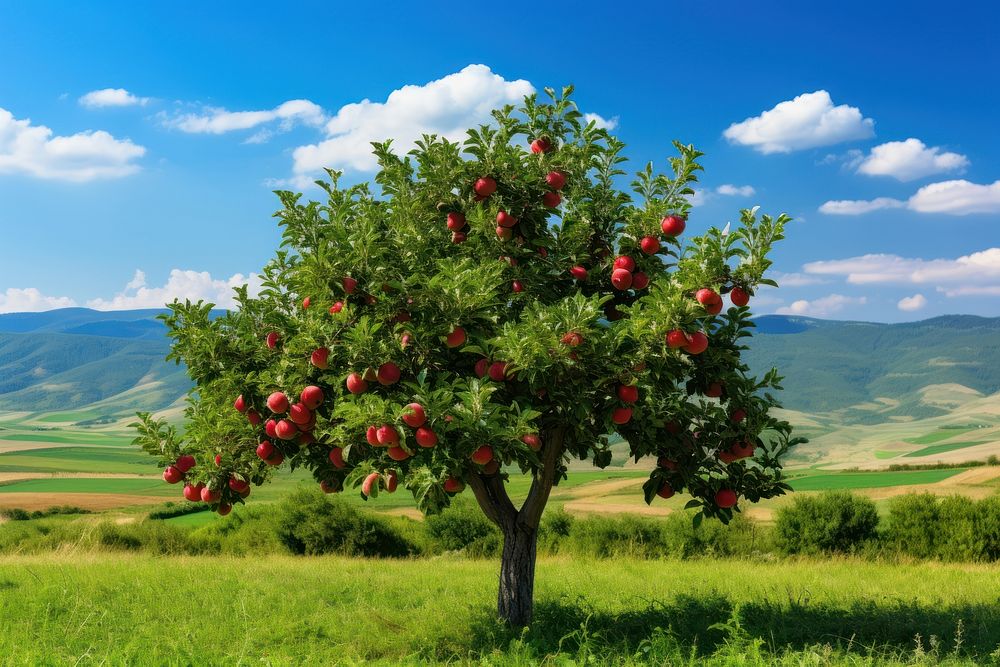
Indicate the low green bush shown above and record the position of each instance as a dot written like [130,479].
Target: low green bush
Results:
[831,522]
[464,527]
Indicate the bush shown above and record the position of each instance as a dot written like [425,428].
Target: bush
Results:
[463,527]
[171,510]
[18,514]
[955,528]
[833,522]
[914,524]
[308,522]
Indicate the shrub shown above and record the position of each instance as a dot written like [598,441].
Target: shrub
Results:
[833,522]
[463,526]
[310,523]
[914,524]
[171,510]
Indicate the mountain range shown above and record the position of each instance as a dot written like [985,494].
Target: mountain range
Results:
[860,372]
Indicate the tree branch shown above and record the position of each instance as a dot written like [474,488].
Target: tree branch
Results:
[538,496]
[493,499]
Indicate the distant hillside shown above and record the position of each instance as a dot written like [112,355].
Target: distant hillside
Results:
[855,372]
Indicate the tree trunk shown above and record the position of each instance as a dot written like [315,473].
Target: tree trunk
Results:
[515,602]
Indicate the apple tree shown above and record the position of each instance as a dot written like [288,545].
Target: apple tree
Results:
[484,309]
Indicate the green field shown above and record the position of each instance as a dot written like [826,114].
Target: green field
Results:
[67,437]
[79,459]
[152,486]
[111,609]
[64,417]
[944,447]
[870,480]
[938,436]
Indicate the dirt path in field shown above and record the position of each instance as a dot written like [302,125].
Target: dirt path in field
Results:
[90,501]
[21,476]
[11,446]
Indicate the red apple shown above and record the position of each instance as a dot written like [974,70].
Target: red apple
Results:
[456,221]
[218,460]
[286,429]
[556,180]
[551,199]
[172,475]
[672,225]
[640,280]
[276,459]
[306,302]
[210,495]
[482,367]
[253,417]
[621,415]
[184,462]
[240,404]
[459,237]
[370,483]
[349,283]
[505,233]
[725,498]
[238,485]
[452,485]
[388,373]
[426,437]
[277,403]
[300,414]
[397,453]
[305,438]
[737,415]
[269,428]
[387,435]
[505,219]
[677,338]
[739,296]
[498,371]
[532,440]
[224,508]
[621,279]
[714,390]
[482,455]
[666,490]
[337,457]
[485,186]
[517,286]
[666,463]
[414,415]
[356,384]
[698,344]
[707,297]
[329,486]
[312,397]
[272,339]
[391,481]
[743,449]
[336,308]
[543,251]
[625,262]
[371,435]
[319,358]
[455,338]
[578,272]
[628,393]
[541,145]
[650,245]
[727,456]
[193,492]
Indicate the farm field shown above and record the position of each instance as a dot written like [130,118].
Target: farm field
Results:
[99,609]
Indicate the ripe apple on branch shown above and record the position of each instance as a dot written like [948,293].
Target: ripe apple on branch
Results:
[461,330]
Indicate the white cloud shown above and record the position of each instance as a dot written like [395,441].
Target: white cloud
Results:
[808,121]
[446,107]
[822,307]
[736,190]
[698,198]
[972,274]
[912,303]
[909,160]
[85,156]
[601,122]
[111,97]
[795,279]
[193,285]
[958,197]
[215,120]
[859,206]
[30,300]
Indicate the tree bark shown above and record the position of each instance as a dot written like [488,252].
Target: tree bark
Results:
[515,602]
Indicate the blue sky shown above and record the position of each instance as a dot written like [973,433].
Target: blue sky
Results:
[125,145]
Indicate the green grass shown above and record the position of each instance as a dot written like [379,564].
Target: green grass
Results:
[944,447]
[886,455]
[79,459]
[870,480]
[75,416]
[110,609]
[152,486]
[69,438]
[938,436]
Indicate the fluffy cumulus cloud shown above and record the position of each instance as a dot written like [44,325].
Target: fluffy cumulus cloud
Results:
[735,190]
[215,120]
[193,285]
[958,197]
[822,307]
[808,121]
[909,160]
[36,150]
[111,97]
[600,121]
[31,300]
[976,273]
[446,107]
[912,303]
